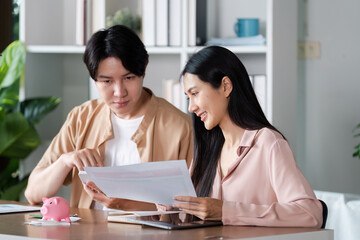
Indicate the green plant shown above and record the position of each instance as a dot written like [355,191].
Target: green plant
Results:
[126,18]
[18,136]
[357,147]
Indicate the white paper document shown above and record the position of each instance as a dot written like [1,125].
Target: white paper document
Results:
[11,208]
[53,222]
[155,182]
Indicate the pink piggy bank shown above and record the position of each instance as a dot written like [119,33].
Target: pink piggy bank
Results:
[55,208]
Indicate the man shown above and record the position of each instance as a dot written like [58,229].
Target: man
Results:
[127,125]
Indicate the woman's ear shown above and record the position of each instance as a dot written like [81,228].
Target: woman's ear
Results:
[227,85]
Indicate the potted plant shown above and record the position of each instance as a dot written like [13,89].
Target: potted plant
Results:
[357,147]
[125,17]
[18,136]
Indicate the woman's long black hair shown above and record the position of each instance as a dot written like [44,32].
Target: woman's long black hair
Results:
[211,64]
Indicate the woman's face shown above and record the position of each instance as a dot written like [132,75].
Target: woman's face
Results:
[208,103]
[121,90]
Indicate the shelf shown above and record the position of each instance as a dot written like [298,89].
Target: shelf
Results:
[164,50]
[151,50]
[234,49]
[55,49]
[81,49]
[55,67]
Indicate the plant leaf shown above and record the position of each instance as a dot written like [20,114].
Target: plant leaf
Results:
[9,97]
[357,152]
[18,139]
[12,64]
[14,191]
[9,166]
[357,135]
[35,109]
[24,145]
[2,113]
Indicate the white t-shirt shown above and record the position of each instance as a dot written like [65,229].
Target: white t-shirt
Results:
[121,150]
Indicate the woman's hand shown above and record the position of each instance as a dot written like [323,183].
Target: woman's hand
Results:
[82,158]
[202,207]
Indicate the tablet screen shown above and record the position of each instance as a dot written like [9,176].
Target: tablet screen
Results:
[173,221]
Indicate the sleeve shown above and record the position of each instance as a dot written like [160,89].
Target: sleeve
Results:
[181,127]
[296,204]
[186,148]
[63,142]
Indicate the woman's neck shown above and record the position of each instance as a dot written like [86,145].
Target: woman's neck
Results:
[232,133]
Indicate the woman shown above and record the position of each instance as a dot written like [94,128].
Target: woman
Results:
[243,169]
[127,125]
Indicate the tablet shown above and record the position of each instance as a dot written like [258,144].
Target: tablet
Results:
[173,221]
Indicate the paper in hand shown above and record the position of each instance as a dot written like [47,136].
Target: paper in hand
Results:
[83,177]
[155,182]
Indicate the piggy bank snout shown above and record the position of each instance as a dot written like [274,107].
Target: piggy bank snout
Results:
[44,210]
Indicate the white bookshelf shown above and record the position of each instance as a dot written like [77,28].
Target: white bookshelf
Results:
[55,67]
[55,49]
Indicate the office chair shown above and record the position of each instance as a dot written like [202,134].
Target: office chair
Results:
[324,213]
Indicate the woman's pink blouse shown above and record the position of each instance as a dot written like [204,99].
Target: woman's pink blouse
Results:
[265,187]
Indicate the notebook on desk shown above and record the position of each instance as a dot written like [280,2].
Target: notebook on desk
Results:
[170,221]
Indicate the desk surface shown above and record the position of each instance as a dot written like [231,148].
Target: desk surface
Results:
[94,225]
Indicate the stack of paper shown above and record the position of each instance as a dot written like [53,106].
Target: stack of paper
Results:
[11,208]
[154,182]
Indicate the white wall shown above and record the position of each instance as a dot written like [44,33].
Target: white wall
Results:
[329,95]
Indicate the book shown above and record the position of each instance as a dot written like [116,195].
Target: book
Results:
[167,87]
[162,23]
[201,22]
[97,15]
[88,20]
[148,22]
[192,22]
[80,22]
[175,11]
[173,92]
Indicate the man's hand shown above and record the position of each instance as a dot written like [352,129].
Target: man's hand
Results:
[116,203]
[82,158]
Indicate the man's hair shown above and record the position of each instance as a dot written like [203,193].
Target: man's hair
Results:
[119,42]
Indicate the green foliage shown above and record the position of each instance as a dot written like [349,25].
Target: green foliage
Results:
[357,147]
[15,19]
[126,18]
[18,136]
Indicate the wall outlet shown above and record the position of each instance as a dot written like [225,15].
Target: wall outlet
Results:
[308,50]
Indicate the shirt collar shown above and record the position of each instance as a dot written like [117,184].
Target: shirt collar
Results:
[148,117]
[246,140]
